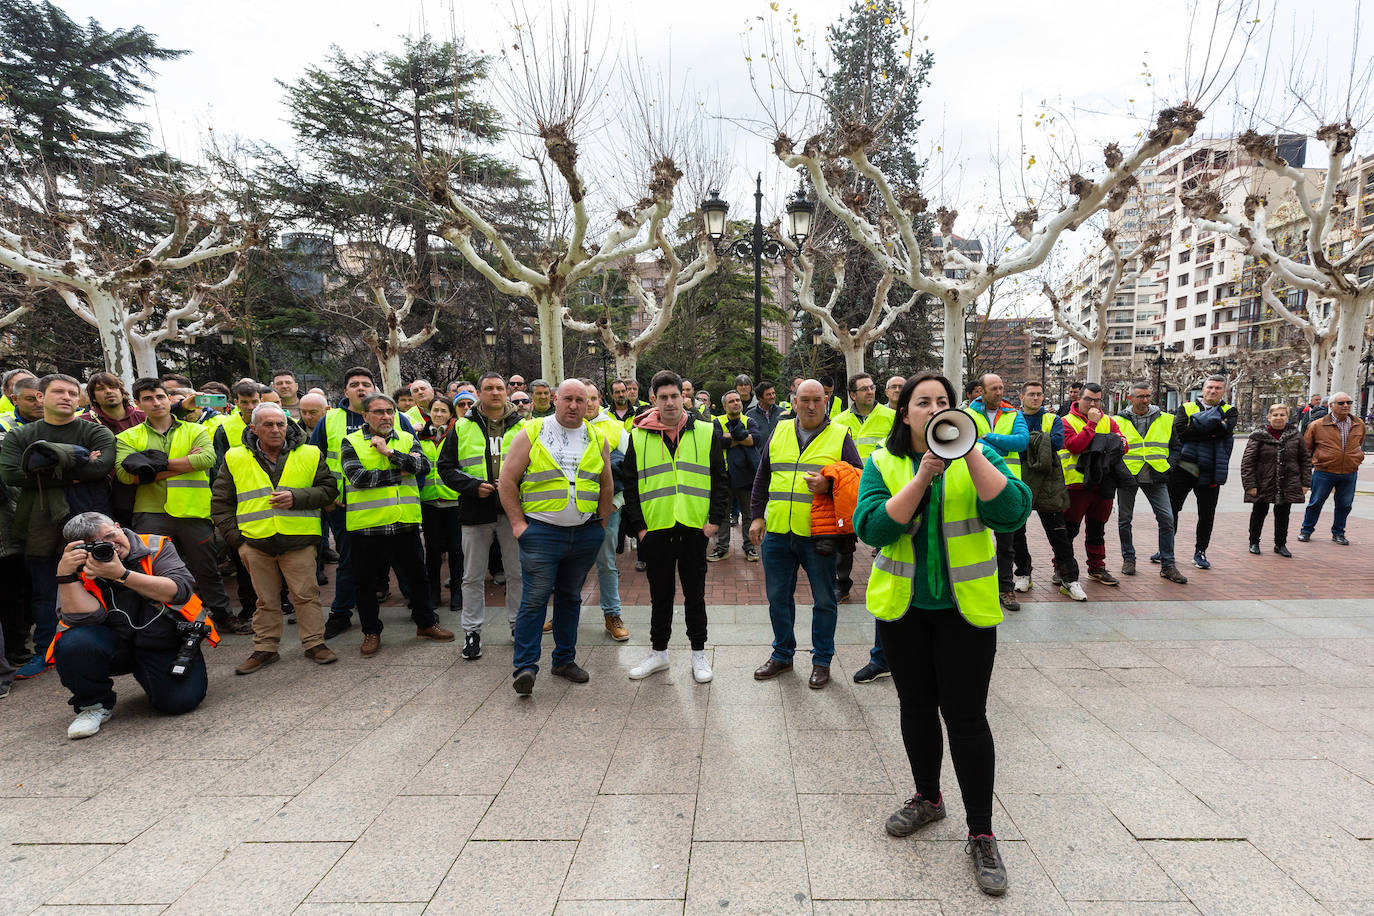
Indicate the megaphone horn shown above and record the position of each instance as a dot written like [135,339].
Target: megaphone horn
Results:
[951,434]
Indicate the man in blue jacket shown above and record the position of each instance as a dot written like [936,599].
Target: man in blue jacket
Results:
[1200,457]
[1001,426]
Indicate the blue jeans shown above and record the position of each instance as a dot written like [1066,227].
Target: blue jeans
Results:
[344,596]
[43,600]
[1158,496]
[1324,483]
[607,576]
[782,555]
[88,658]
[553,561]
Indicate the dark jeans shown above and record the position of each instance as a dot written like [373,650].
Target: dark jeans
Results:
[1281,511]
[16,616]
[876,655]
[376,555]
[1157,494]
[554,561]
[1092,506]
[195,543]
[1324,484]
[43,600]
[741,496]
[941,666]
[248,596]
[1181,483]
[1005,542]
[443,535]
[344,589]
[89,658]
[783,555]
[682,550]
[1057,533]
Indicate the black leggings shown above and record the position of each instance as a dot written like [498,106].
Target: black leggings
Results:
[443,535]
[941,665]
[1257,513]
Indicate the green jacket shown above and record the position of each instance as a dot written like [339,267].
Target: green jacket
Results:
[1044,474]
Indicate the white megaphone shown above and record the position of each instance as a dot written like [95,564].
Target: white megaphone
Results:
[951,434]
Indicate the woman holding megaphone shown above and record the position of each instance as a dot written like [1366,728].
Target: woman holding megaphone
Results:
[933,589]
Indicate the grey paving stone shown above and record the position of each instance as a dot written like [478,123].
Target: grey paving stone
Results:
[1058,657]
[618,908]
[850,856]
[406,852]
[655,760]
[1134,908]
[837,761]
[749,878]
[132,909]
[515,878]
[261,878]
[549,795]
[477,760]
[737,687]
[1328,863]
[358,909]
[290,763]
[1167,812]
[1317,627]
[32,874]
[950,875]
[660,704]
[635,847]
[1226,878]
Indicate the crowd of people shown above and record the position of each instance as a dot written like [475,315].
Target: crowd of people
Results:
[127,510]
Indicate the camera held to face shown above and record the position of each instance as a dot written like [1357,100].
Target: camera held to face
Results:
[101,551]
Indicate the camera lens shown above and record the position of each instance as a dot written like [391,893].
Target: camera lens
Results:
[103,551]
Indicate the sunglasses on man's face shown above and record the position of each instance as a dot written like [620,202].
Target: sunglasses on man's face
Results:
[518,401]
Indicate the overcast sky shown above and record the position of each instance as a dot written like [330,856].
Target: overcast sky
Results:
[993,59]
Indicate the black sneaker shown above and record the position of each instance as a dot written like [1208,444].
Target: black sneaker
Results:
[988,869]
[573,672]
[524,682]
[1304,536]
[912,816]
[336,624]
[1101,575]
[1128,567]
[1254,548]
[472,646]
[719,553]
[870,673]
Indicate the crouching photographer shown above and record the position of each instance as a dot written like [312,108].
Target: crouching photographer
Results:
[127,608]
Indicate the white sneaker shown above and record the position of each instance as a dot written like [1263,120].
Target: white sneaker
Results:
[1074,591]
[655,661]
[701,668]
[88,721]
[1022,583]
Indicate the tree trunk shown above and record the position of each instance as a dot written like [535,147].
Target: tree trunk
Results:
[114,339]
[1095,354]
[390,366]
[1345,365]
[549,308]
[145,357]
[853,362]
[954,343]
[625,367]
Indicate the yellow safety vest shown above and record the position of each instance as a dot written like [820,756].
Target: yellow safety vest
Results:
[233,428]
[1006,422]
[188,495]
[473,445]
[789,501]
[544,488]
[674,487]
[1153,447]
[433,487]
[1073,424]
[970,549]
[373,507]
[871,431]
[256,517]
[335,428]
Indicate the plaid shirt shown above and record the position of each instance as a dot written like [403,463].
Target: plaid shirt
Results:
[412,462]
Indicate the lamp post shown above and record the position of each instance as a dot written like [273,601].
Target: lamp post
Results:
[595,350]
[799,214]
[1159,361]
[1061,372]
[1368,362]
[1042,356]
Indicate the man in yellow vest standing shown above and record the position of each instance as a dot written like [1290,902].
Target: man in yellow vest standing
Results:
[1199,459]
[677,494]
[382,469]
[607,574]
[1001,426]
[1089,499]
[169,461]
[556,489]
[868,423]
[741,444]
[266,502]
[781,505]
[1147,430]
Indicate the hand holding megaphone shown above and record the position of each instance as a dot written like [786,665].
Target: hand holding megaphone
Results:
[950,434]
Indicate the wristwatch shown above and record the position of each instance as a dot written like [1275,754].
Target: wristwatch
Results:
[124,578]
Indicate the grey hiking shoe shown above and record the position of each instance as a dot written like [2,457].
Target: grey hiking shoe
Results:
[988,869]
[915,814]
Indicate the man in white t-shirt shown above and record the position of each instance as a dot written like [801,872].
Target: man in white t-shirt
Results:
[556,489]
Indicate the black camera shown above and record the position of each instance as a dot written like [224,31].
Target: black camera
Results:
[190,634]
[103,551]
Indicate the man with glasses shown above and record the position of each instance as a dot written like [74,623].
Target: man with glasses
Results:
[893,389]
[1083,424]
[1200,458]
[516,383]
[869,423]
[1334,442]
[521,402]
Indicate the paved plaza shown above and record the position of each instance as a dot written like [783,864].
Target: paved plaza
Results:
[1162,749]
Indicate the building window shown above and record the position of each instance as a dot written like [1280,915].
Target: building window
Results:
[1181,280]
[1180,324]
[1181,303]
[1185,256]
[1199,321]
[1197,344]
[1200,298]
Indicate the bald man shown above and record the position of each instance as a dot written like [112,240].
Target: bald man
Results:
[313,408]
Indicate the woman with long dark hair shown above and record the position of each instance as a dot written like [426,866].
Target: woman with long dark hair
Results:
[439,511]
[934,591]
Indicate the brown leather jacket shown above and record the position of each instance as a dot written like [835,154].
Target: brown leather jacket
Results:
[1323,440]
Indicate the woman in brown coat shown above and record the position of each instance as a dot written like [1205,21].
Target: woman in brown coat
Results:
[1275,470]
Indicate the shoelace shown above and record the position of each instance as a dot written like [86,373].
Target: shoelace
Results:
[981,848]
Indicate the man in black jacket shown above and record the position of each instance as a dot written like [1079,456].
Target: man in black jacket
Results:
[740,440]
[1200,457]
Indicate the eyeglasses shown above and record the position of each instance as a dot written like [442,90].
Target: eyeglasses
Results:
[1342,403]
[863,388]
[519,401]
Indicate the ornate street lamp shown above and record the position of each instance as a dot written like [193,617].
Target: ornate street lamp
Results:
[489,336]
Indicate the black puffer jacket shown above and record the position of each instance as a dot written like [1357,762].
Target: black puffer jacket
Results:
[1277,469]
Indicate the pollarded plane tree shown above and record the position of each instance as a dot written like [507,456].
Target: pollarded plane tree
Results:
[555,86]
[833,149]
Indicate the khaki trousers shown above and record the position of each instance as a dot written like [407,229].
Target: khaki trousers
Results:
[297,567]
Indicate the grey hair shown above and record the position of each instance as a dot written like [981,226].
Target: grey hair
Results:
[266,405]
[540,383]
[367,401]
[84,527]
[1217,378]
[1136,386]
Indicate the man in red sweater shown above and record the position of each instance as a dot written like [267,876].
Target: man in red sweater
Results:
[1084,422]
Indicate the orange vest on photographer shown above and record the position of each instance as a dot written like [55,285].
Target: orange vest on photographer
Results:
[191,610]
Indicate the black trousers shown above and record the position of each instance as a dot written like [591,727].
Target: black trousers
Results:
[1057,533]
[16,618]
[443,535]
[1257,513]
[682,550]
[374,555]
[1181,483]
[941,666]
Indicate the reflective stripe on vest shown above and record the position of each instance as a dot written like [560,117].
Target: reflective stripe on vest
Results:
[335,428]
[970,550]
[373,507]
[1006,422]
[433,487]
[1152,447]
[871,431]
[188,495]
[472,446]
[674,488]
[257,518]
[1074,425]
[789,501]
[544,488]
